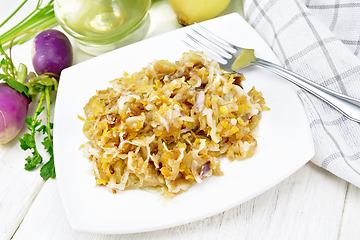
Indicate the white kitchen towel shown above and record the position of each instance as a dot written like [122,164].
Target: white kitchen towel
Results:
[319,39]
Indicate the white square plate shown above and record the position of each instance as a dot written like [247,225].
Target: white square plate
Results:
[284,140]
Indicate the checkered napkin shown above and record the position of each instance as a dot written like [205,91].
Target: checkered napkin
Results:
[319,39]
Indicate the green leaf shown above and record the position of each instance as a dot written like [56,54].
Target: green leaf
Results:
[28,120]
[42,129]
[21,88]
[27,142]
[48,170]
[37,123]
[48,146]
[33,161]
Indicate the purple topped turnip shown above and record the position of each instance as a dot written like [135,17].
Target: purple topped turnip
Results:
[13,111]
[51,52]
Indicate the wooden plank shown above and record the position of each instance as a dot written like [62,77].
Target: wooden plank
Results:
[307,205]
[18,188]
[350,227]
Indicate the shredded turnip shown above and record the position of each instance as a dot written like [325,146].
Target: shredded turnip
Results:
[171,123]
[200,101]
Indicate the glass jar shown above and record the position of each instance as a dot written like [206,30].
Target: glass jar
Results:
[100,26]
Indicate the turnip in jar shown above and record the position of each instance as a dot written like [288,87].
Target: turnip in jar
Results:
[51,52]
[13,111]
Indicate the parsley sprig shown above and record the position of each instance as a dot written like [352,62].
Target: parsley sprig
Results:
[35,126]
[28,141]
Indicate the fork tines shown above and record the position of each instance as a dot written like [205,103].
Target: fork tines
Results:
[211,44]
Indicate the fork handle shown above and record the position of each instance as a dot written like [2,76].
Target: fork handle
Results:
[348,106]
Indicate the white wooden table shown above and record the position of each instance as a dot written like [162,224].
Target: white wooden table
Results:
[310,204]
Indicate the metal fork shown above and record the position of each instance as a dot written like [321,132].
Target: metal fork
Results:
[232,58]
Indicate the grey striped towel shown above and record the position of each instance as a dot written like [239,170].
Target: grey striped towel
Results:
[319,39]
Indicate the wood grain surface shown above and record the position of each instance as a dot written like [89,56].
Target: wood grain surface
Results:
[310,204]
